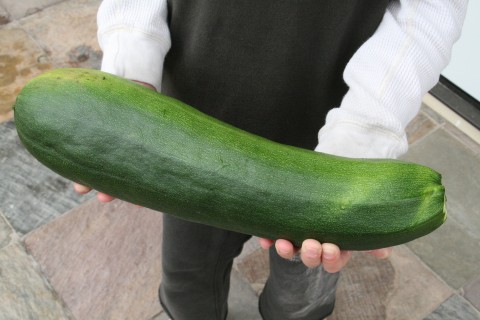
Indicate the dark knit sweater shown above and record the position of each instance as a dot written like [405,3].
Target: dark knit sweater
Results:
[270,67]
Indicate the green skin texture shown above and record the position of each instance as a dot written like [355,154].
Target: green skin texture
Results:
[140,146]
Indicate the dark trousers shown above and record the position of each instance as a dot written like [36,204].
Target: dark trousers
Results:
[197,261]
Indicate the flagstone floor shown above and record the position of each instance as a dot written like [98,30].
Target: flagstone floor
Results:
[65,256]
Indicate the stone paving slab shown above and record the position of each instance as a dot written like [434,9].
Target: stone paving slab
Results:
[432,114]
[242,301]
[254,266]
[455,308]
[104,260]
[20,9]
[451,252]
[68,32]
[20,60]
[472,292]
[401,287]
[4,16]
[463,138]
[24,293]
[6,232]
[30,194]
[419,127]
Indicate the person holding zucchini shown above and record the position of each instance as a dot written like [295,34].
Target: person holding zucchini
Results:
[339,77]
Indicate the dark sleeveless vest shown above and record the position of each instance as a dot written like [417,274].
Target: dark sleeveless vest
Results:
[270,67]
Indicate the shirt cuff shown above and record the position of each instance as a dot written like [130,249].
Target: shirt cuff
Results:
[357,140]
[134,55]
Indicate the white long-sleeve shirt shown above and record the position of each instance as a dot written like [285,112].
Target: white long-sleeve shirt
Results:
[387,76]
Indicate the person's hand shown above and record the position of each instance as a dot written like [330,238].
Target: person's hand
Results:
[81,189]
[103,197]
[313,253]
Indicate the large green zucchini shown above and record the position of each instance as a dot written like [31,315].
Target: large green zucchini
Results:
[149,149]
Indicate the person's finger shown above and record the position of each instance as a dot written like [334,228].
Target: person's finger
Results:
[285,248]
[265,243]
[311,253]
[81,189]
[103,197]
[148,85]
[333,259]
[381,253]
